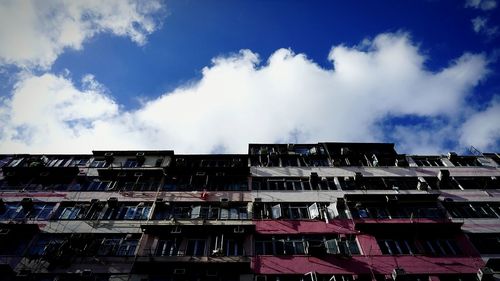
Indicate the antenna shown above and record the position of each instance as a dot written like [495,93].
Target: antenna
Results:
[475,151]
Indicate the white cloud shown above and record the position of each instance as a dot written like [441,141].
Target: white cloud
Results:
[33,33]
[480,25]
[484,5]
[239,100]
[482,129]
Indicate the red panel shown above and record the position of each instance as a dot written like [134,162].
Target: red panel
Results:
[368,245]
[365,264]
[303,227]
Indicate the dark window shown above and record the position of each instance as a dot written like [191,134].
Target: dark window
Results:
[195,247]
[429,161]
[167,248]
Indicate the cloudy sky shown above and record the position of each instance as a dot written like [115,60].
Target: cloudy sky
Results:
[212,76]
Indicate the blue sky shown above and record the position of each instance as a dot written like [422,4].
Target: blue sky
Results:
[212,76]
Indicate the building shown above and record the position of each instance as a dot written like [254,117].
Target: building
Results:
[326,211]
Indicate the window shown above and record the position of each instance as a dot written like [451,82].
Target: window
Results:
[473,209]
[98,163]
[167,248]
[264,247]
[38,211]
[131,163]
[313,211]
[46,245]
[11,211]
[299,212]
[139,212]
[429,161]
[127,248]
[233,247]
[465,161]
[486,243]
[5,160]
[79,162]
[289,210]
[109,213]
[343,246]
[478,182]
[441,247]
[16,162]
[56,162]
[401,183]
[117,247]
[181,212]
[290,247]
[70,213]
[195,247]
[311,245]
[41,211]
[397,247]
[276,211]
[347,183]
[98,185]
[108,246]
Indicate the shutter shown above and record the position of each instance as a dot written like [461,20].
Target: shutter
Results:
[331,247]
[313,211]
[195,212]
[276,211]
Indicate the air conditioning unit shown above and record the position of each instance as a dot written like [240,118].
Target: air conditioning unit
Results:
[485,273]
[27,203]
[238,229]
[452,155]
[444,175]
[179,271]
[314,178]
[392,198]
[176,230]
[181,162]
[401,161]
[224,202]
[398,274]
[109,156]
[423,186]
[257,199]
[86,273]
[112,202]
[24,273]
[358,177]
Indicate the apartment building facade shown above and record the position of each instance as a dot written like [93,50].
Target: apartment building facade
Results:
[325,211]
